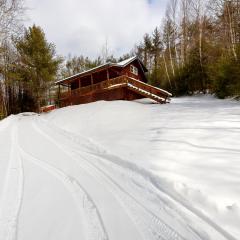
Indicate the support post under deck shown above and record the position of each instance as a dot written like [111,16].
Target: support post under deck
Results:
[108,77]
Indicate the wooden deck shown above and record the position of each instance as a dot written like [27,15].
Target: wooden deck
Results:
[140,89]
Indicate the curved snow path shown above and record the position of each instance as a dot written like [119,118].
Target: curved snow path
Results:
[115,222]
[95,229]
[152,226]
[13,192]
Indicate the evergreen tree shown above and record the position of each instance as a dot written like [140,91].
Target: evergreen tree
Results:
[38,64]
[147,49]
[156,51]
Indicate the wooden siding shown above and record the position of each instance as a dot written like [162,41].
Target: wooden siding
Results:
[141,75]
[120,88]
[111,72]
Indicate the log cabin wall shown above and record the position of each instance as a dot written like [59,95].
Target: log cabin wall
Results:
[97,78]
[85,81]
[113,73]
[75,84]
[127,71]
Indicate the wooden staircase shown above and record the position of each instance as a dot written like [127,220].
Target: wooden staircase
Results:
[148,91]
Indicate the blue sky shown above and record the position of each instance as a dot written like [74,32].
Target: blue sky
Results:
[82,27]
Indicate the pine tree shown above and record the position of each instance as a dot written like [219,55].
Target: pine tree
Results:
[38,64]
[147,48]
[156,51]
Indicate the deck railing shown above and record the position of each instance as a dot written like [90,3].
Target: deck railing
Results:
[95,87]
[115,82]
[148,88]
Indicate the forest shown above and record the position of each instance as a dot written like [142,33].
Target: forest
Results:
[195,49]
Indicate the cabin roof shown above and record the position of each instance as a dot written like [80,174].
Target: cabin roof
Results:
[121,64]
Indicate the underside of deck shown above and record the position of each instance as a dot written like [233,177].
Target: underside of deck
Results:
[118,93]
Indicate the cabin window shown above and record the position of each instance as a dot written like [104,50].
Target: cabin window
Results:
[133,70]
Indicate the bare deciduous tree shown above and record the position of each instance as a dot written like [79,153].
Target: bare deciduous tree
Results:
[11,13]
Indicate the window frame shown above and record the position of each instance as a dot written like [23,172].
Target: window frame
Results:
[134,70]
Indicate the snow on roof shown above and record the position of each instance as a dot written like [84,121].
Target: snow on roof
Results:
[120,64]
[126,62]
[84,72]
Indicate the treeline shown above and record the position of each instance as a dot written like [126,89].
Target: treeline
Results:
[196,49]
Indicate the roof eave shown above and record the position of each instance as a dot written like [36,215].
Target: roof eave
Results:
[85,73]
[104,66]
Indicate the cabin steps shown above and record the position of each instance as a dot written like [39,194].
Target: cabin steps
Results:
[148,94]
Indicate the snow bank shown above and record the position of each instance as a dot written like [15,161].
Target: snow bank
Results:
[118,126]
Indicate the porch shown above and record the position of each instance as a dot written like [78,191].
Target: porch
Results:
[119,88]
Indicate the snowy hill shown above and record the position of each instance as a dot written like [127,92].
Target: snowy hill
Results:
[122,170]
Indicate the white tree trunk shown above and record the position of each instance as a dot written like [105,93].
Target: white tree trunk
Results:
[232,32]
[166,69]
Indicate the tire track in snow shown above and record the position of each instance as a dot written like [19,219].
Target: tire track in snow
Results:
[183,142]
[154,181]
[153,225]
[13,191]
[94,224]
[178,200]
[89,172]
[158,228]
[151,222]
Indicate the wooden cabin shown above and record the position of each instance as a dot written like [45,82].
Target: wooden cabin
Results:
[125,80]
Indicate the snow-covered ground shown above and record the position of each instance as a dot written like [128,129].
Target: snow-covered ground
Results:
[122,170]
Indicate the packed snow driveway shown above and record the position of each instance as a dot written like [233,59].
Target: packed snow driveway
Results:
[122,170]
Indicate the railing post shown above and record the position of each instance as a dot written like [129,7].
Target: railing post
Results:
[108,83]
[70,94]
[58,96]
[92,81]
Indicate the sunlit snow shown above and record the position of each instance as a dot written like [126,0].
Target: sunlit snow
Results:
[122,170]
